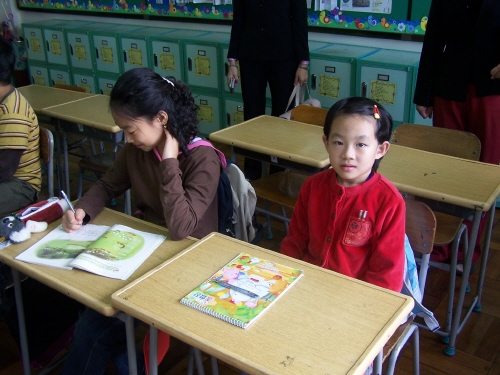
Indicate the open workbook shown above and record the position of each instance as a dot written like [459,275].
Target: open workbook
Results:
[243,289]
[114,252]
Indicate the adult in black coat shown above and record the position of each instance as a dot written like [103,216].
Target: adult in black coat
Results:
[269,41]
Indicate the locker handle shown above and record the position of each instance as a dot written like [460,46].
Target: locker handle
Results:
[364,87]
[228,120]
[71,49]
[313,82]
[155,57]
[190,64]
[48,47]
[96,53]
[27,43]
[124,56]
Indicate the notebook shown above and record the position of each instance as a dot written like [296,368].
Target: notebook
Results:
[243,289]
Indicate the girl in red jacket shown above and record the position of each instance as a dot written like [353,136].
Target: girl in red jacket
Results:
[349,218]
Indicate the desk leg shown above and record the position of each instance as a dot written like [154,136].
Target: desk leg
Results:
[377,363]
[455,325]
[57,156]
[484,256]
[233,155]
[153,350]
[23,337]
[130,328]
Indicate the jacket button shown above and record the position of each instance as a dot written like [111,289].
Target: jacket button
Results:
[333,216]
[329,239]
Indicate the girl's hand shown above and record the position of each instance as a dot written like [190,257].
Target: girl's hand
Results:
[171,149]
[73,221]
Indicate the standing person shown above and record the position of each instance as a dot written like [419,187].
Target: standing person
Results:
[458,82]
[20,165]
[349,218]
[172,185]
[269,40]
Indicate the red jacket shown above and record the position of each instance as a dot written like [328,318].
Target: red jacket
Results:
[357,231]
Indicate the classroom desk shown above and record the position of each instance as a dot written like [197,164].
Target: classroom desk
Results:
[454,184]
[91,290]
[326,323]
[41,97]
[90,117]
[274,140]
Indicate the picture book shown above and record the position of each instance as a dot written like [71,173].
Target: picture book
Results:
[114,252]
[243,289]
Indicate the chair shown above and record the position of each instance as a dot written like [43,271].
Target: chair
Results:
[282,187]
[450,228]
[47,155]
[421,230]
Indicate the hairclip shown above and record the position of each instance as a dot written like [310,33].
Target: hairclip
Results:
[169,81]
[376,112]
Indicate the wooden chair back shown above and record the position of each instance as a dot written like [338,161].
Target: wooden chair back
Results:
[450,142]
[420,226]
[69,87]
[309,114]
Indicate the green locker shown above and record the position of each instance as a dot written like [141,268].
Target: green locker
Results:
[414,116]
[33,34]
[55,41]
[420,9]
[60,74]
[81,46]
[167,54]
[203,59]
[332,72]
[108,55]
[39,74]
[135,47]
[210,109]
[105,83]
[314,45]
[387,76]
[85,79]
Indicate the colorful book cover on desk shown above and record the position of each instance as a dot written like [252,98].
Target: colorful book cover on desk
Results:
[243,289]
[114,252]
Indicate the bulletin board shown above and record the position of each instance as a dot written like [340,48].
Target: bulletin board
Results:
[388,16]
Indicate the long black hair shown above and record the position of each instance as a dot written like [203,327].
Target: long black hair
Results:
[141,92]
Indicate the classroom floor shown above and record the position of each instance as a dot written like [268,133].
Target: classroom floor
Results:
[478,346]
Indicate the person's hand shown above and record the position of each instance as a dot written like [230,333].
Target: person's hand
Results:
[300,76]
[171,148]
[495,72]
[232,72]
[424,111]
[73,221]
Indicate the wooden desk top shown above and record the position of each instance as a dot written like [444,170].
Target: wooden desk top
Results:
[92,111]
[41,97]
[326,323]
[92,290]
[274,136]
[442,178]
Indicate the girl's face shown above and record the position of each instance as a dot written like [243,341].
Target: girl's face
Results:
[353,148]
[144,134]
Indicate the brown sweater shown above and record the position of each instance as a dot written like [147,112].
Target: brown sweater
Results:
[179,193]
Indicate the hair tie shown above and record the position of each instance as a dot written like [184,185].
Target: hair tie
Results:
[376,112]
[169,81]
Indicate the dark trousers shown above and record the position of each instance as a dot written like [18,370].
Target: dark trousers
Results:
[255,76]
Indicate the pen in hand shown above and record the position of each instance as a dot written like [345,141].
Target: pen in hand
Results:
[67,201]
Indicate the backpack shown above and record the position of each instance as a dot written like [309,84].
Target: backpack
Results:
[224,192]
[411,288]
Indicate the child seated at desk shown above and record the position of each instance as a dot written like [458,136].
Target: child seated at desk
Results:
[349,218]
[173,185]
